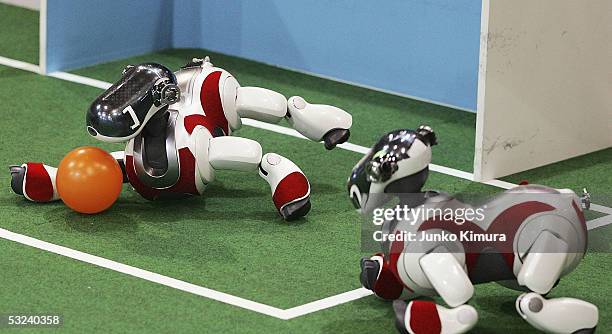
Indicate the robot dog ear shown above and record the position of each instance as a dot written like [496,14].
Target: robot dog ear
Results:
[427,135]
[127,68]
[165,92]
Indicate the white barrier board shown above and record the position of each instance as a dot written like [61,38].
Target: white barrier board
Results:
[30,4]
[545,83]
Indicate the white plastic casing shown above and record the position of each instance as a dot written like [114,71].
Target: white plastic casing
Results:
[199,143]
[261,104]
[315,120]
[544,263]
[447,276]
[456,320]
[229,93]
[277,168]
[558,315]
[52,171]
[234,153]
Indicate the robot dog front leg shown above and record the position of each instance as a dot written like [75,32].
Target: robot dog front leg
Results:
[289,186]
[541,269]
[317,122]
[36,181]
[446,275]
[377,275]
[443,273]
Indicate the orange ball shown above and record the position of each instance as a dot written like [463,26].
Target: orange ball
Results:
[89,180]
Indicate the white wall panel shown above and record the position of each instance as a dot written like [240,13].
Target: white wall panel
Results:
[31,4]
[545,83]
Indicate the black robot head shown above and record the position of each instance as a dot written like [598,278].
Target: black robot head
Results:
[397,163]
[122,111]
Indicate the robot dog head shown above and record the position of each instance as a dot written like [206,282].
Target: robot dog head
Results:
[397,163]
[123,110]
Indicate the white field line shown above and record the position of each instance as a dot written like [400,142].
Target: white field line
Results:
[19,65]
[599,222]
[144,274]
[220,296]
[326,303]
[601,208]
[79,79]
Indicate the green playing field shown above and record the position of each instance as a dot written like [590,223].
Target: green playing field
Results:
[231,240]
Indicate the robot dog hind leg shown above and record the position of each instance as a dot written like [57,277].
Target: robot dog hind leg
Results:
[289,186]
[541,268]
[317,122]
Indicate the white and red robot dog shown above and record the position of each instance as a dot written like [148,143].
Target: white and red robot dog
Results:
[177,128]
[545,231]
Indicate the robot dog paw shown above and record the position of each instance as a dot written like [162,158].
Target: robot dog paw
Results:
[295,210]
[290,187]
[319,121]
[399,308]
[421,316]
[335,137]
[558,315]
[17,177]
[369,272]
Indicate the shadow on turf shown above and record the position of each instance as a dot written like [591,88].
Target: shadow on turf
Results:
[217,189]
[99,223]
[125,215]
[131,209]
[326,188]
[382,322]
[499,313]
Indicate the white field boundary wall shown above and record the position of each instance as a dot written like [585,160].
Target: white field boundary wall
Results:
[545,83]
[29,4]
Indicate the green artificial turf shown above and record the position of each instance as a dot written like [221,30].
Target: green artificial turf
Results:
[19,33]
[230,240]
[592,171]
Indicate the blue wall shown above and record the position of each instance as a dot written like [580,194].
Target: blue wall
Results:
[81,33]
[423,48]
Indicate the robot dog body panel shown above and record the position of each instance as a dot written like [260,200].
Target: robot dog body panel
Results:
[199,116]
[518,214]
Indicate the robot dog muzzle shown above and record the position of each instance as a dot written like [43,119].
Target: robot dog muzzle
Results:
[122,111]
[400,156]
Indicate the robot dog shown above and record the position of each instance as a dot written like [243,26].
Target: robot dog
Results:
[544,230]
[177,127]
